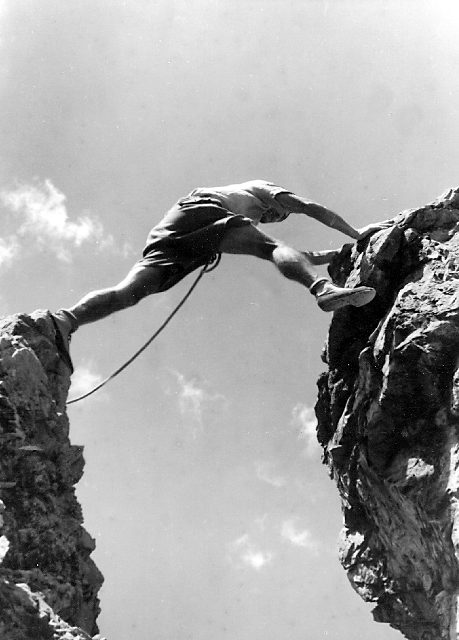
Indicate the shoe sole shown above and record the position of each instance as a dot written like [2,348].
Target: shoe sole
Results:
[355,298]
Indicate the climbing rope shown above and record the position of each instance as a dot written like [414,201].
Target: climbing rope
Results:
[207,268]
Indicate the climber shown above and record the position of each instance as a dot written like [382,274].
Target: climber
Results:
[221,220]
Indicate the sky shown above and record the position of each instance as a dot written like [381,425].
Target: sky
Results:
[204,489]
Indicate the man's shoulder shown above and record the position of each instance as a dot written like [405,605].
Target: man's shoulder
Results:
[257,183]
[247,185]
[262,188]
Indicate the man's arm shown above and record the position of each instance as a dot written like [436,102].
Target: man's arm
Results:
[295,204]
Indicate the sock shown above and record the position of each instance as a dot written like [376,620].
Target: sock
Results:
[319,283]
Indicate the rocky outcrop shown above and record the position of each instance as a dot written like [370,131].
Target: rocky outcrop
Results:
[388,420]
[48,582]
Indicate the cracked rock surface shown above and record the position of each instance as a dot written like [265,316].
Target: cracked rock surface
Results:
[388,419]
[48,582]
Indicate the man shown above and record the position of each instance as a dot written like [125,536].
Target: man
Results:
[221,220]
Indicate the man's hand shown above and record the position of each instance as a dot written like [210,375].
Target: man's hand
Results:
[369,229]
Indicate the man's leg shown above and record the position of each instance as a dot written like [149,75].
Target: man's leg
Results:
[294,265]
[140,282]
[249,240]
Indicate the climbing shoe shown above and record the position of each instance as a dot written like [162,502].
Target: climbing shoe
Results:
[331,297]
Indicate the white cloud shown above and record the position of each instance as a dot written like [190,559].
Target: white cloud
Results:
[40,212]
[243,553]
[9,248]
[256,559]
[195,401]
[297,537]
[265,473]
[304,419]
[84,379]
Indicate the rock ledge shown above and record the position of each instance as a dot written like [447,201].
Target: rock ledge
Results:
[48,582]
[388,417]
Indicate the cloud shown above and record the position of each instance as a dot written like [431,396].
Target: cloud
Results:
[304,419]
[40,213]
[265,473]
[84,379]
[296,537]
[256,559]
[195,401]
[253,549]
[9,249]
[243,553]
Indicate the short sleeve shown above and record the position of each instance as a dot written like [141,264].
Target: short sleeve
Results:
[267,192]
[274,189]
[264,189]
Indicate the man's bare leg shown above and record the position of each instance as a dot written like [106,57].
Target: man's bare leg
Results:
[249,240]
[295,265]
[139,283]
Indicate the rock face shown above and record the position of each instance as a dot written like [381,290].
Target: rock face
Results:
[388,420]
[48,583]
